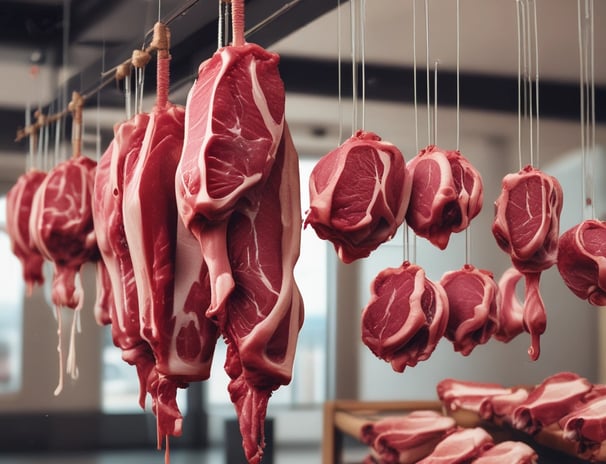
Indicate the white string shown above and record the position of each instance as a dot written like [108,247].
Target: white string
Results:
[458,72]
[363,60]
[518,17]
[354,64]
[435,103]
[529,62]
[339,73]
[582,103]
[536,81]
[427,71]
[414,72]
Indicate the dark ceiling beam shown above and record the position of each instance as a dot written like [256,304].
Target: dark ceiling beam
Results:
[30,23]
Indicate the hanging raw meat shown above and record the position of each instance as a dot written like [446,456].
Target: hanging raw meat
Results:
[582,260]
[552,399]
[447,193]
[406,439]
[406,316]
[509,309]
[359,193]
[61,227]
[169,280]
[234,121]
[108,219]
[265,310]
[460,447]
[526,226]
[18,209]
[472,301]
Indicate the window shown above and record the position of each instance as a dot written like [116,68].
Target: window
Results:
[11,306]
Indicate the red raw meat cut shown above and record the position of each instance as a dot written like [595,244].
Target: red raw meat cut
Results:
[61,227]
[234,121]
[406,439]
[169,280]
[472,301]
[586,424]
[499,408]
[265,310]
[18,209]
[582,260]
[104,300]
[359,193]
[509,452]
[406,316]
[462,394]
[549,401]
[460,447]
[526,226]
[509,309]
[447,193]
[119,159]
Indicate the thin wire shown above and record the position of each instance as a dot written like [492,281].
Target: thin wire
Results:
[159,10]
[435,103]
[414,72]
[220,25]
[518,17]
[362,21]
[354,63]
[528,45]
[427,70]
[592,100]
[339,73]
[536,81]
[458,72]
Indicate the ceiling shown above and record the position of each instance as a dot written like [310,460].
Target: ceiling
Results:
[43,61]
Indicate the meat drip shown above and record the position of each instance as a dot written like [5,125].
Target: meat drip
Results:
[359,193]
[171,311]
[406,439]
[526,226]
[582,260]
[18,210]
[61,228]
[447,193]
[406,316]
[473,307]
[108,217]
[265,310]
[509,309]
[460,447]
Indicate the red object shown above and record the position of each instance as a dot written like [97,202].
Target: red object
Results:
[406,316]
[359,193]
[265,310]
[408,438]
[582,260]
[469,395]
[472,300]
[501,406]
[18,210]
[551,400]
[460,447]
[526,226]
[586,424]
[447,193]
[510,312]
[510,452]
[234,122]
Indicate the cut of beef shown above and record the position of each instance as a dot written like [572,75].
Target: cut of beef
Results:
[462,394]
[359,193]
[460,447]
[499,408]
[472,301]
[509,309]
[526,226]
[234,121]
[116,162]
[510,452]
[408,438]
[549,401]
[447,193]
[171,312]
[61,227]
[265,310]
[406,316]
[586,424]
[18,209]
[582,260]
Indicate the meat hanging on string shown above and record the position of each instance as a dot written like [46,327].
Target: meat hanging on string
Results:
[359,193]
[61,227]
[447,193]
[526,226]
[406,316]
[18,210]
[171,303]
[582,260]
